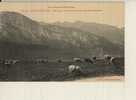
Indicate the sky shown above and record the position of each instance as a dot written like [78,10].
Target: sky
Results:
[111,13]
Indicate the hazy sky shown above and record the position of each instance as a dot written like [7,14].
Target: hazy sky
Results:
[102,12]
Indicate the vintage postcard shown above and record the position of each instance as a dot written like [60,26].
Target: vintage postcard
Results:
[51,41]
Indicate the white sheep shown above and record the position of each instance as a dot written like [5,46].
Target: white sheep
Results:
[74,68]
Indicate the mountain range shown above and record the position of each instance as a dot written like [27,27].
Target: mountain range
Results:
[23,37]
[112,33]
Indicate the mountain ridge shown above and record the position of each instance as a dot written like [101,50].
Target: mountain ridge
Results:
[17,28]
[112,33]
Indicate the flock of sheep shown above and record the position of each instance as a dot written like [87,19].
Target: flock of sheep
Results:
[72,68]
[116,61]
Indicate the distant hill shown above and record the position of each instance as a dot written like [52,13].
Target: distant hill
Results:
[42,39]
[112,33]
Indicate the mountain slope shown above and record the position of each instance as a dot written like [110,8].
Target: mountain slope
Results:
[18,30]
[113,34]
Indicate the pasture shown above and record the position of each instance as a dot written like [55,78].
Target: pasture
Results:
[55,71]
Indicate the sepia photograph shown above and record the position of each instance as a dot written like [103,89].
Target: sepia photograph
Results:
[62,42]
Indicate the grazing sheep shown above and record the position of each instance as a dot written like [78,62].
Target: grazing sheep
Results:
[77,59]
[118,62]
[44,61]
[2,61]
[74,69]
[15,61]
[8,62]
[107,56]
[94,58]
[107,59]
[59,60]
[88,60]
[41,61]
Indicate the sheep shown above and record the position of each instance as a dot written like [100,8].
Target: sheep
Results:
[59,60]
[8,62]
[15,61]
[94,58]
[2,61]
[107,59]
[118,62]
[74,69]
[41,61]
[77,59]
[88,60]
